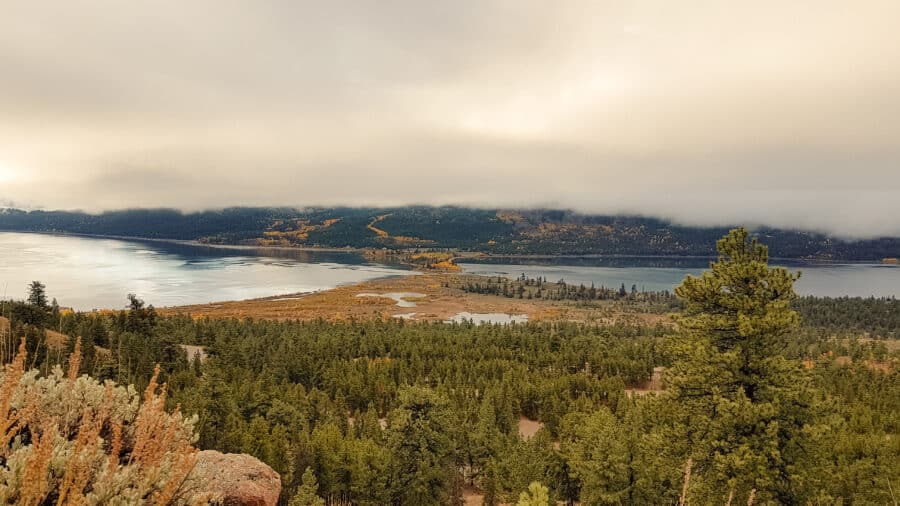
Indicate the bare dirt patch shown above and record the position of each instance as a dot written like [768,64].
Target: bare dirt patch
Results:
[194,351]
[528,428]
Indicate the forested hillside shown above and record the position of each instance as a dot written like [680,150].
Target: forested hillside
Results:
[492,231]
[753,403]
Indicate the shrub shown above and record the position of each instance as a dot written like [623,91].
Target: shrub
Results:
[66,439]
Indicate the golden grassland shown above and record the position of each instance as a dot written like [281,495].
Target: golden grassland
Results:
[439,303]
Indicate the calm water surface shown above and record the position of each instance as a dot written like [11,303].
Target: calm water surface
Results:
[86,273]
[833,280]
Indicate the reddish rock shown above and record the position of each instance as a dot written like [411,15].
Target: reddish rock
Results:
[240,480]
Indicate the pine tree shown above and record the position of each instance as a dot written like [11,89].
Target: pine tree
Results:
[486,438]
[422,448]
[37,295]
[537,495]
[489,485]
[306,494]
[598,456]
[139,319]
[743,404]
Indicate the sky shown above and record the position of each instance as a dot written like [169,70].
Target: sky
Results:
[699,111]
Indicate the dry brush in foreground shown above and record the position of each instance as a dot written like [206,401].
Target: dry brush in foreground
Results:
[68,439]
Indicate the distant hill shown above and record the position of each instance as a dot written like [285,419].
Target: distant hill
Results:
[493,231]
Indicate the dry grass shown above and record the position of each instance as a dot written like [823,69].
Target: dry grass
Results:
[439,304]
[56,340]
[78,431]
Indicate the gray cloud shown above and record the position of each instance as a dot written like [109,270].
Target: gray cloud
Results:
[702,112]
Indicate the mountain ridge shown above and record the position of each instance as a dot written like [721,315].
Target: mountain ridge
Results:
[501,232]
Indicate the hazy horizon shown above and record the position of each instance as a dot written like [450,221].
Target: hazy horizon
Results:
[765,113]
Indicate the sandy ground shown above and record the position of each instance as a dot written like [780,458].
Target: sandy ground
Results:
[193,351]
[437,303]
[528,428]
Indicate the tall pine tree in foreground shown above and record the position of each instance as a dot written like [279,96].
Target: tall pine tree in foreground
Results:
[742,405]
[419,439]
[306,494]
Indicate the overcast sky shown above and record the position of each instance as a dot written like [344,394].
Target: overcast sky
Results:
[705,112]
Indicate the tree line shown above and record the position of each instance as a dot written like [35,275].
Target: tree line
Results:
[493,231]
[755,407]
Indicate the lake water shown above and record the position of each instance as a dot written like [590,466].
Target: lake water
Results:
[87,273]
[833,280]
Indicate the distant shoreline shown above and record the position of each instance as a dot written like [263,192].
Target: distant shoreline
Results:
[460,256]
[192,242]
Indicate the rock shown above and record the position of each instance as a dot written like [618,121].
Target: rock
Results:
[239,479]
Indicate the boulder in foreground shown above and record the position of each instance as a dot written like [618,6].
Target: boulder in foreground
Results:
[238,479]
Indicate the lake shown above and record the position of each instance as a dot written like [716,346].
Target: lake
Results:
[832,280]
[87,273]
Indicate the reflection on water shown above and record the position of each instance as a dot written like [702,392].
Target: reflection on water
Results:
[87,273]
[657,274]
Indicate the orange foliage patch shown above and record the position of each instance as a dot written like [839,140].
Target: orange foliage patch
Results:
[446,265]
[281,233]
[885,366]
[378,231]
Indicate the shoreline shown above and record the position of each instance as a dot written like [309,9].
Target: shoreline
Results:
[459,256]
[430,297]
[192,242]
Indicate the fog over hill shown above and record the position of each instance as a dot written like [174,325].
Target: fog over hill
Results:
[785,115]
[491,231]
